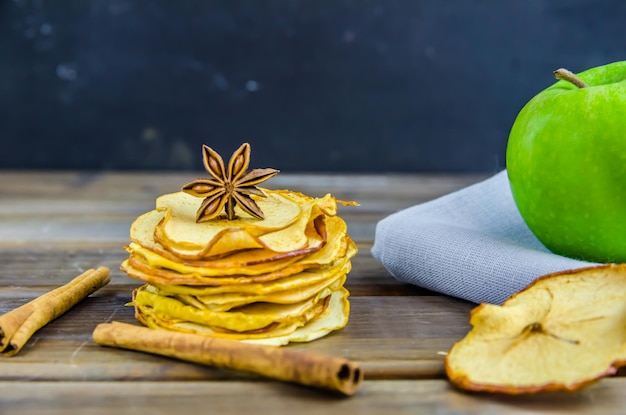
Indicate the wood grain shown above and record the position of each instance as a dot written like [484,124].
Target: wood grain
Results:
[430,325]
[55,225]
[253,397]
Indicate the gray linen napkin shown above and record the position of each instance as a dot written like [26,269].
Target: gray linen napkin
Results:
[471,244]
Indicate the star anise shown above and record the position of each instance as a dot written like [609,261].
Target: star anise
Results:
[227,187]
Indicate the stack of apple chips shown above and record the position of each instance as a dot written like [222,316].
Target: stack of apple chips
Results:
[270,281]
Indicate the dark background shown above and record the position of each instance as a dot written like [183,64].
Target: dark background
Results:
[317,85]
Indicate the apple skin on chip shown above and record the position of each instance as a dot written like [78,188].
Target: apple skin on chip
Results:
[562,332]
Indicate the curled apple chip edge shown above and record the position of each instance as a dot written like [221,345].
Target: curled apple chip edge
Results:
[562,332]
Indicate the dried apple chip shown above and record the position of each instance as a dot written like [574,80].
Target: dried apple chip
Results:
[178,227]
[250,317]
[338,245]
[562,332]
[294,282]
[332,317]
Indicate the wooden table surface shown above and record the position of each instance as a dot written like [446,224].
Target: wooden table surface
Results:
[55,225]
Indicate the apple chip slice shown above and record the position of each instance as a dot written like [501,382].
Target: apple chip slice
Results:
[562,332]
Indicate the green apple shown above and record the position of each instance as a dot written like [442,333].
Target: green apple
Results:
[566,161]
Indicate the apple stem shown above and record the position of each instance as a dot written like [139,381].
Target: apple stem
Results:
[564,74]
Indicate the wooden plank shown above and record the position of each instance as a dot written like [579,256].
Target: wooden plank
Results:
[100,206]
[108,229]
[123,197]
[47,264]
[393,337]
[244,397]
[146,186]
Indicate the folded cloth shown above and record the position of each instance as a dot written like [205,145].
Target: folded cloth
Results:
[472,244]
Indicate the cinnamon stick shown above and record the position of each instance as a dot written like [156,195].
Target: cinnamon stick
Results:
[317,370]
[17,326]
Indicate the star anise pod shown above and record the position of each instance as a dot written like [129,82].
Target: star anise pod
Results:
[227,187]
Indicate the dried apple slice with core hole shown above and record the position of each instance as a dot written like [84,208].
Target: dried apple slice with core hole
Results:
[562,332]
